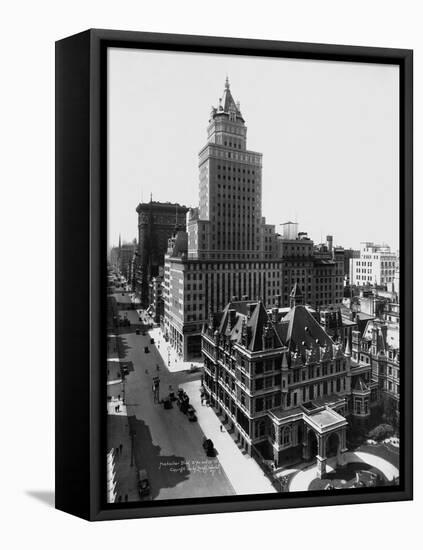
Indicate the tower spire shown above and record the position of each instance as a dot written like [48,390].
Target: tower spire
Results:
[227,83]
[296,296]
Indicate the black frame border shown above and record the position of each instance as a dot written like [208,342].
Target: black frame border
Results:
[81,244]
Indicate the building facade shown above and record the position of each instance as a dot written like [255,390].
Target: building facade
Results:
[156,223]
[156,306]
[122,258]
[281,383]
[376,265]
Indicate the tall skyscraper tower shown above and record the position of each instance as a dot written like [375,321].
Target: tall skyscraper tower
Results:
[229,252]
[228,222]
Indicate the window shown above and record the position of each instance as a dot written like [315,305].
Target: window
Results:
[288,399]
[260,428]
[268,382]
[286,436]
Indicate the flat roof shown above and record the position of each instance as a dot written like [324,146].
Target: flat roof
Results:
[325,420]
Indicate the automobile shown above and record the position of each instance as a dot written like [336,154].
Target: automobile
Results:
[183,401]
[146,350]
[191,414]
[209,447]
[125,371]
[137,331]
[143,483]
[151,340]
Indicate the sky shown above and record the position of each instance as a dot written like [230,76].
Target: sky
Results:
[328,132]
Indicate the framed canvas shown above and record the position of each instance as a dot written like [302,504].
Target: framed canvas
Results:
[228,321]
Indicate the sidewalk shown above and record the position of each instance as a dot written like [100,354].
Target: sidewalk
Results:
[168,354]
[113,370]
[126,477]
[242,471]
[115,402]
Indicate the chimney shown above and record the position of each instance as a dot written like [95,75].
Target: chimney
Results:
[329,242]
[278,300]
[274,314]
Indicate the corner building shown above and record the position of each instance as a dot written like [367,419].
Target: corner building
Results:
[279,381]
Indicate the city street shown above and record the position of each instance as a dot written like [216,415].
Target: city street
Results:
[165,443]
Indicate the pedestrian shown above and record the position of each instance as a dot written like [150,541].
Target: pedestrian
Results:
[126,498]
[118,408]
[119,396]
[117,451]
[120,498]
[120,447]
[221,428]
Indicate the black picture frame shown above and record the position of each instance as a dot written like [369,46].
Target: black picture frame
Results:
[81,176]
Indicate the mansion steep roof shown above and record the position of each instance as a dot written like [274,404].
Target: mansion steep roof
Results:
[251,326]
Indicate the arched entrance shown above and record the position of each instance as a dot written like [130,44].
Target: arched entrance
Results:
[332,444]
[312,444]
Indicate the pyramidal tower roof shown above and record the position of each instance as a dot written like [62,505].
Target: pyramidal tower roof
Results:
[227,103]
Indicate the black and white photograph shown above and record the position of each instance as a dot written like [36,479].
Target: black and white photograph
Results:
[253,276]
[208,210]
